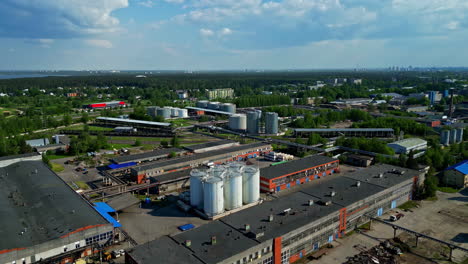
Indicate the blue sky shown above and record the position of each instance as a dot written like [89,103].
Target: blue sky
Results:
[231,34]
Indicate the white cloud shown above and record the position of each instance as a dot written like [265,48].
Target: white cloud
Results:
[58,18]
[99,43]
[147,3]
[174,1]
[225,32]
[206,32]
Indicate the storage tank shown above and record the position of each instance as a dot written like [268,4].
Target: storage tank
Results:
[174,111]
[445,137]
[213,105]
[228,107]
[164,112]
[238,122]
[250,185]
[152,111]
[271,123]
[196,188]
[218,171]
[182,113]
[253,122]
[459,136]
[213,198]
[453,136]
[202,104]
[233,189]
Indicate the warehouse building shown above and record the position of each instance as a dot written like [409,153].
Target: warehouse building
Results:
[237,153]
[456,175]
[408,144]
[161,128]
[147,156]
[347,132]
[112,104]
[210,146]
[173,181]
[296,172]
[288,228]
[43,219]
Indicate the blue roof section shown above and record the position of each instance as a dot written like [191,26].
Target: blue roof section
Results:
[461,167]
[104,210]
[123,165]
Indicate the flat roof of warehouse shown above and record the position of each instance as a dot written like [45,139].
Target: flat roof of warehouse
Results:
[209,110]
[391,175]
[133,121]
[165,249]
[146,155]
[210,144]
[294,166]
[229,241]
[35,200]
[172,176]
[198,156]
[343,129]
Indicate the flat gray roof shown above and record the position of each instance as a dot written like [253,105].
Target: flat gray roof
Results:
[133,121]
[391,175]
[294,166]
[343,129]
[146,155]
[209,144]
[209,110]
[33,199]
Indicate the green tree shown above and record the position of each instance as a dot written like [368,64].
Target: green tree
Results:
[84,117]
[67,120]
[175,142]
[137,143]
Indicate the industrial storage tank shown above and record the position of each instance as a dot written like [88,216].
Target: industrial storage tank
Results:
[174,111]
[253,122]
[182,113]
[459,136]
[152,111]
[213,105]
[238,122]
[445,137]
[228,107]
[250,185]
[271,123]
[233,188]
[196,188]
[164,112]
[213,196]
[218,171]
[202,104]
[453,136]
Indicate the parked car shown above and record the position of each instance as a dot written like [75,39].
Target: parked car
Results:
[396,217]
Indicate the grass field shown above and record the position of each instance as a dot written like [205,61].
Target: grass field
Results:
[91,128]
[82,185]
[142,138]
[447,189]
[57,167]
[408,205]
[54,157]
[119,146]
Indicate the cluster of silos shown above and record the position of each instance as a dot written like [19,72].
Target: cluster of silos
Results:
[253,122]
[167,112]
[271,123]
[238,122]
[452,136]
[224,187]
[224,107]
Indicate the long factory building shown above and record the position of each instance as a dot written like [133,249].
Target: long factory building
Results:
[43,219]
[347,132]
[296,172]
[236,153]
[289,227]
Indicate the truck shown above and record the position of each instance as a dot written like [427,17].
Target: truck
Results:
[396,217]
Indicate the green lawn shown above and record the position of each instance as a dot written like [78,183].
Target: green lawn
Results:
[408,205]
[90,127]
[82,185]
[57,167]
[142,138]
[181,122]
[119,146]
[54,156]
[447,189]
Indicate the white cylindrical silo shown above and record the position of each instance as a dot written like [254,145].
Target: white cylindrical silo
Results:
[238,122]
[218,171]
[174,111]
[196,188]
[250,185]
[213,105]
[182,113]
[233,189]
[213,198]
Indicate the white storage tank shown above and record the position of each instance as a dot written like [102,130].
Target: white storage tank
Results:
[218,171]
[202,104]
[228,107]
[182,113]
[213,105]
[213,198]
[174,111]
[152,111]
[250,185]
[233,189]
[196,188]
[238,122]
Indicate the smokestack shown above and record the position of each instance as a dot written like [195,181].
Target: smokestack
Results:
[451,103]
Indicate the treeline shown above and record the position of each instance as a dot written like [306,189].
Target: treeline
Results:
[327,117]
[84,143]
[367,144]
[262,100]
[398,124]
[13,145]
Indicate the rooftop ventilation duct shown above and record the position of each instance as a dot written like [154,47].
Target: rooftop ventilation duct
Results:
[286,211]
[188,243]
[332,193]
[246,227]
[213,240]
[358,184]
[270,218]
[311,202]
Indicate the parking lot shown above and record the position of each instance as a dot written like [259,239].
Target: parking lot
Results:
[445,219]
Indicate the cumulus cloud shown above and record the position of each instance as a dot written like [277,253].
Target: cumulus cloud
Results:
[206,32]
[225,32]
[58,18]
[147,3]
[99,43]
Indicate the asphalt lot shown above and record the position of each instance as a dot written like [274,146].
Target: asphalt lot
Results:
[445,219]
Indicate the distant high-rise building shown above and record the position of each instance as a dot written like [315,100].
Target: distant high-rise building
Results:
[220,93]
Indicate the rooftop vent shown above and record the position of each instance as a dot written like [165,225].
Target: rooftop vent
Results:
[246,227]
[358,184]
[311,202]
[286,211]
[380,175]
[188,243]
[326,203]
[270,218]
[332,193]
